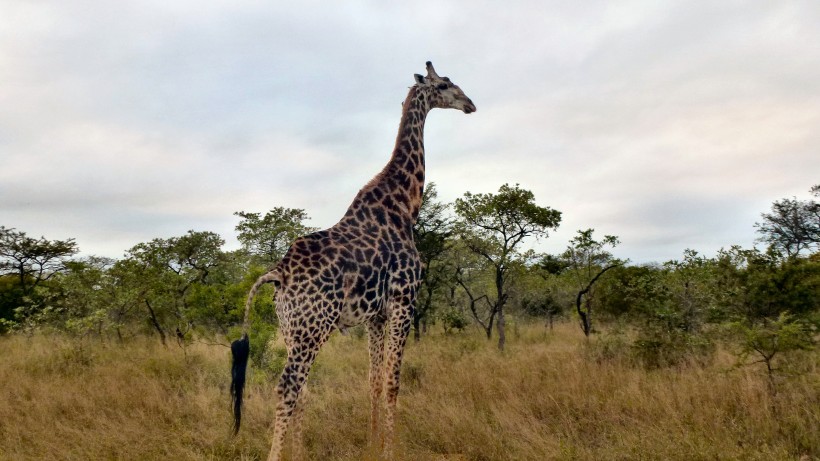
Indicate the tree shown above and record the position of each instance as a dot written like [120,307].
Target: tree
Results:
[268,237]
[588,260]
[674,301]
[432,234]
[770,338]
[624,290]
[472,273]
[88,305]
[124,293]
[792,226]
[493,226]
[753,285]
[167,269]
[215,305]
[26,263]
[551,264]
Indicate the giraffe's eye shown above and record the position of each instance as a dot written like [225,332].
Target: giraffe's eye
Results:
[442,86]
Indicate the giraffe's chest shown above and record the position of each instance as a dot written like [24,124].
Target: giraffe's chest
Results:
[370,290]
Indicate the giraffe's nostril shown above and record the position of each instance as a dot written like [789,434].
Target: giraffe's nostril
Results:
[469,107]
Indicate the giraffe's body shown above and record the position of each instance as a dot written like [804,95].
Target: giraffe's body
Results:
[363,270]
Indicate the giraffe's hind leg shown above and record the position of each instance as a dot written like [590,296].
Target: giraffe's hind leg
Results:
[292,382]
[297,425]
[375,335]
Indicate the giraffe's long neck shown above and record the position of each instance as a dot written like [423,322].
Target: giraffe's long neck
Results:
[398,188]
[405,170]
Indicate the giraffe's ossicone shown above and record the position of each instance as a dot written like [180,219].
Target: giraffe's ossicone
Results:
[363,270]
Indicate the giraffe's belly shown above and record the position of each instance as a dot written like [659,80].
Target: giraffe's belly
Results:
[358,311]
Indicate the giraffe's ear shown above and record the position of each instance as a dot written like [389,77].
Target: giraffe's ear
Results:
[419,78]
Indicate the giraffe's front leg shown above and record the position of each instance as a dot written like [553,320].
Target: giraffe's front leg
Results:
[375,336]
[398,329]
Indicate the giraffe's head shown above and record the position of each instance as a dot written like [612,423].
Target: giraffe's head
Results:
[444,93]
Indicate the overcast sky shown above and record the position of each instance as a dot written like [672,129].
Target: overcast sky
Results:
[671,124]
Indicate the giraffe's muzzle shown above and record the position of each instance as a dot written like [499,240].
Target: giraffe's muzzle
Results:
[469,107]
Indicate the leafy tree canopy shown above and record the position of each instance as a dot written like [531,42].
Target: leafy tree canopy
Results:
[497,223]
[33,260]
[792,226]
[268,237]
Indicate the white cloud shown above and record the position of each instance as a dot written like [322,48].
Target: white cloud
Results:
[671,124]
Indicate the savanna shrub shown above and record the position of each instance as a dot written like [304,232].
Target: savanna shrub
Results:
[612,345]
[453,319]
[657,348]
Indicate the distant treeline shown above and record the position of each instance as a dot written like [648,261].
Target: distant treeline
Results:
[477,271]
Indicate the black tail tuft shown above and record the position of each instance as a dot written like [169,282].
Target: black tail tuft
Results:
[240,349]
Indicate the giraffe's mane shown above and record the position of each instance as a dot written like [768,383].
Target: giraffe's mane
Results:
[375,180]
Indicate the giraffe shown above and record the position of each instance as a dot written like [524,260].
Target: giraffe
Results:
[363,270]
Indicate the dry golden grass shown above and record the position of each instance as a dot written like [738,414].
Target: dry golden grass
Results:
[545,398]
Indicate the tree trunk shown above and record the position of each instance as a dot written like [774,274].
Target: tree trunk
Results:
[586,321]
[501,299]
[155,323]
[416,327]
[489,328]
[502,336]
[22,274]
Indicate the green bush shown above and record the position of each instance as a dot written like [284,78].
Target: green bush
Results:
[661,349]
[452,319]
[767,340]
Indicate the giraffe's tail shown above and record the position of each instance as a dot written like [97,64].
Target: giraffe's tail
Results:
[241,349]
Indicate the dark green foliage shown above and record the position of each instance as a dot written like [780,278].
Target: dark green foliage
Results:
[502,220]
[168,272]
[27,266]
[792,226]
[552,264]
[672,312]
[792,286]
[765,305]
[11,297]
[86,306]
[757,285]
[622,290]
[766,340]
[541,305]
[221,302]
[433,234]
[267,238]
[452,320]
[587,261]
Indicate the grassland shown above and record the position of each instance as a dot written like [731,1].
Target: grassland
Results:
[550,396]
